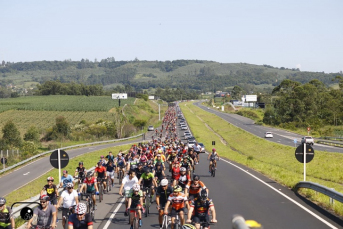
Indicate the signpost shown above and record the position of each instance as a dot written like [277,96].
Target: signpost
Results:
[119,96]
[295,142]
[3,161]
[213,143]
[304,154]
[308,130]
[59,159]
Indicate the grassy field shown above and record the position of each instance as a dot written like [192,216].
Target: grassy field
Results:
[271,159]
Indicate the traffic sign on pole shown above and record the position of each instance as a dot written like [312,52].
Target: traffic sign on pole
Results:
[304,153]
[64,159]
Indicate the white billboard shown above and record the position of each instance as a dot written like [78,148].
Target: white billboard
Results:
[250,98]
[151,97]
[119,96]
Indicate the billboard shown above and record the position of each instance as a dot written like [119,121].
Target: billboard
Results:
[119,96]
[250,98]
[151,97]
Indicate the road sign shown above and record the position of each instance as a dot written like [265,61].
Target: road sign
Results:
[3,160]
[213,143]
[295,141]
[308,128]
[54,159]
[299,153]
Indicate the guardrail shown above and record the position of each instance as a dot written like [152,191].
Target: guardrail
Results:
[330,143]
[322,189]
[68,147]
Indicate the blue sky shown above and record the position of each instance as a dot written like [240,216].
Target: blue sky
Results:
[293,33]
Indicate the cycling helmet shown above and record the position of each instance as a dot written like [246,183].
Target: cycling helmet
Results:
[45,197]
[50,178]
[81,163]
[213,149]
[136,187]
[177,188]
[2,201]
[80,208]
[70,185]
[140,164]
[203,194]
[196,177]
[102,156]
[164,182]
[146,170]
[99,163]
[183,169]
[188,226]
[158,155]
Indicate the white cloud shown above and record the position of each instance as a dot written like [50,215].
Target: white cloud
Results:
[298,66]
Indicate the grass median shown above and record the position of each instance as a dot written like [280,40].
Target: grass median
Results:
[271,159]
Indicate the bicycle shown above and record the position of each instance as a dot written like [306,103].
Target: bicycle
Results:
[177,224]
[109,184]
[101,189]
[213,168]
[90,204]
[120,175]
[166,222]
[147,200]
[70,211]
[135,219]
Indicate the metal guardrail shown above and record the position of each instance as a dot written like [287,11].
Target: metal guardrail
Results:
[68,147]
[330,143]
[322,189]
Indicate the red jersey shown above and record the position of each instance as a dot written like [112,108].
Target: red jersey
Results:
[176,173]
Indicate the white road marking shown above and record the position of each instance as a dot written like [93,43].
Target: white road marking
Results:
[282,194]
[26,173]
[114,213]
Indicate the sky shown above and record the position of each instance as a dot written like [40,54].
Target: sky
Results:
[305,34]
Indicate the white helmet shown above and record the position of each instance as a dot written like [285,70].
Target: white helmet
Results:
[70,185]
[80,208]
[136,187]
[183,169]
[164,182]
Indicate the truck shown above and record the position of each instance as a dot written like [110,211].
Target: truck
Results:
[308,140]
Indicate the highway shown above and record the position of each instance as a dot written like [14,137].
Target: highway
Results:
[279,136]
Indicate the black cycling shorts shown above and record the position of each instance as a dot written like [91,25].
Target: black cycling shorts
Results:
[205,219]
[66,210]
[174,212]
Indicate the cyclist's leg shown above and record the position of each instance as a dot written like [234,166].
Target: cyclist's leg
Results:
[209,167]
[64,215]
[215,163]
[182,216]
[173,215]
[196,221]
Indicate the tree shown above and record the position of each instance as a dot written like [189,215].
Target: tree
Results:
[32,134]
[62,126]
[236,92]
[11,135]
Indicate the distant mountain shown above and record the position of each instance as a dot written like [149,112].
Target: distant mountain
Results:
[198,75]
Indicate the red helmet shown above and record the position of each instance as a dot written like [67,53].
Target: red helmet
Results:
[213,149]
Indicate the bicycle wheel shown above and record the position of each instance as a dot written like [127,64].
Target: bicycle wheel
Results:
[214,171]
[120,176]
[101,192]
[135,223]
[109,184]
[147,202]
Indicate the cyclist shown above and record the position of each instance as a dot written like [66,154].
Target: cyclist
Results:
[197,149]
[6,217]
[103,161]
[127,184]
[110,171]
[45,213]
[177,200]
[51,191]
[158,172]
[175,172]
[139,170]
[212,157]
[90,186]
[121,163]
[80,172]
[148,182]
[143,158]
[184,178]
[80,219]
[171,158]
[199,211]
[101,174]
[187,164]
[193,156]
[135,201]
[194,187]
[162,193]
[65,179]
[110,157]
[69,198]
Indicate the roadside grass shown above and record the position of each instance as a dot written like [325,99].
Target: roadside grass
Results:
[35,186]
[271,159]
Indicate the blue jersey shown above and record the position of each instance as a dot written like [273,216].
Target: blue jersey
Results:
[66,180]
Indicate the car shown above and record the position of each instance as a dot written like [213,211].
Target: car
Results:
[192,138]
[202,147]
[182,123]
[184,127]
[308,140]
[186,132]
[268,135]
[190,144]
[208,108]
[188,136]
[150,128]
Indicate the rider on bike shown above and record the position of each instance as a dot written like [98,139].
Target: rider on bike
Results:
[212,157]
[80,172]
[194,187]
[69,198]
[101,174]
[135,200]
[177,200]
[199,211]
[127,184]
[148,182]
[51,191]
[162,193]
[80,219]
[45,214]
[90,186]
[6,217]
[65,179]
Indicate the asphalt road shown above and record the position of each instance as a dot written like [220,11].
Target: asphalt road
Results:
[24,175]
[235,190]
[280,136]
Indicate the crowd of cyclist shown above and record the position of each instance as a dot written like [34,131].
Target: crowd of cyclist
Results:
[146,167]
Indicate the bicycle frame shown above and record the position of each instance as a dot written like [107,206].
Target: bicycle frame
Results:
[135,219]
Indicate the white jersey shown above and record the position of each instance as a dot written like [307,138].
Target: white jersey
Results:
[69,198]
[196,148]
[129,183]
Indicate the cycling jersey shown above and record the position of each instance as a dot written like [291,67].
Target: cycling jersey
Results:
[158,173]
[121,162]
[195,188]
[50,190]
[177,202]
[81,171]
[139,173]
[90,184]
[163,194]
[201,208]
[213,155]
[110,158]
[80,224]
[183,180]
[110,168]
[143,159]
[135,198]
[5,217]
[66,180]
[147,179]
[44,216]
[176,173]
[186,165]
[101,171]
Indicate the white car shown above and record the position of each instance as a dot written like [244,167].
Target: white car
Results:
[184,128]
[268,135]
[190,144]
[202,147]
[186,132]
[150,128]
